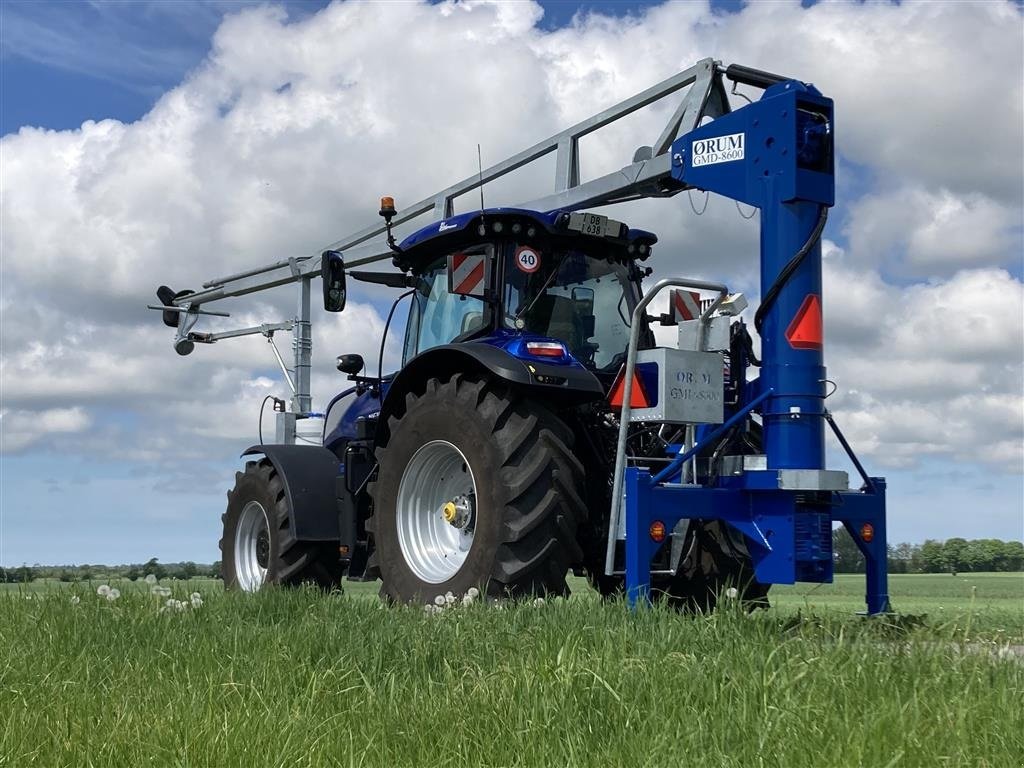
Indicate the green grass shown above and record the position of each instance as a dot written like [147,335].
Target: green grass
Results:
[988,605]
[295,678]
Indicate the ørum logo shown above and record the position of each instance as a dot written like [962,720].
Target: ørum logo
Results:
[720,149]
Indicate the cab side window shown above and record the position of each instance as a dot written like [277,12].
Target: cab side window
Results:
[437,316]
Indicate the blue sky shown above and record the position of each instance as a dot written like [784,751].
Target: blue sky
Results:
[70,61]
[116,496]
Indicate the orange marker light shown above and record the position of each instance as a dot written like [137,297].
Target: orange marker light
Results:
[867,532]
[657,531]
[387,203]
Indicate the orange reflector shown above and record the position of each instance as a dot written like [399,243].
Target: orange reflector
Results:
[805,332]
[387,203]
[657,531]
[637,397]
[867,532]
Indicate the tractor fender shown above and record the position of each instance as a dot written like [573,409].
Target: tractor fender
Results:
[576,385]
[309,474]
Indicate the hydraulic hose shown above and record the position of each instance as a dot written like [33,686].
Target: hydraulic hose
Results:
[787,271]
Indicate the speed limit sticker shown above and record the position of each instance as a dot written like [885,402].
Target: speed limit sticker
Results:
[527,259]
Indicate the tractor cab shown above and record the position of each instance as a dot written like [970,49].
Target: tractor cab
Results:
[557,287]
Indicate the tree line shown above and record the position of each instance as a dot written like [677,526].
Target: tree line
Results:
[133,571]
[933,556]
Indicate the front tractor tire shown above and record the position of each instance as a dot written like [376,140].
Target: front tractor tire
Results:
[258,548]
[476,487]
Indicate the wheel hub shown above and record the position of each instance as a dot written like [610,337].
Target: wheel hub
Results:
[458,512]
[435,511]
[252,547]
[263,548]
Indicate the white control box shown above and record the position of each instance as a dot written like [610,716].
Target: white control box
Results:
[683,387]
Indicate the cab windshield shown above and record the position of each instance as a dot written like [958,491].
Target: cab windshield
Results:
[582,301]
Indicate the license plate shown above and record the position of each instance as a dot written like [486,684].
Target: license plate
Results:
[594,224]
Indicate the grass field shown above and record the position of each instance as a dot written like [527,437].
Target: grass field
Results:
[295,678]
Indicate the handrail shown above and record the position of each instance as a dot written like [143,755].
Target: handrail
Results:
[627,392]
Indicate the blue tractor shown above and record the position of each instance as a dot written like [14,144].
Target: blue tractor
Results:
[535,426]
[486,460]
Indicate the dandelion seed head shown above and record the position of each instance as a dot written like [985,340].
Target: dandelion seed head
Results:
[449,598]
[467,599]
[195,596]
[150,578]
[473,592]
[732,593]
[111,597]
[114,593]
[439,600]
[75,599]
[103,590]
[539,601]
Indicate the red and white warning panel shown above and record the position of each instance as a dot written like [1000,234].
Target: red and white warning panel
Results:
[685,305]
[467,273]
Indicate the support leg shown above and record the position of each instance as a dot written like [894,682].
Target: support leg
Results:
[870,511]
[638,550]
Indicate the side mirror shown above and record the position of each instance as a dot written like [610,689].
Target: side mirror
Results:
[350,364]
[332,270]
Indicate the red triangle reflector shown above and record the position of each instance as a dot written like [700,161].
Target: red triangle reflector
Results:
[805,332]
[637,397]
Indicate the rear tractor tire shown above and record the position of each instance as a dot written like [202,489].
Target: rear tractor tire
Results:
[477,486]
[258,547]
[712,567]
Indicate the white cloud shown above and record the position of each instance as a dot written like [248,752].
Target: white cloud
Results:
[21,429]
[932,369]
[923,232]
[908,101]
[284,137]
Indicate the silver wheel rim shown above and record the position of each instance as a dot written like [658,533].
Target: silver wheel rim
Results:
[433,548]
[252,547]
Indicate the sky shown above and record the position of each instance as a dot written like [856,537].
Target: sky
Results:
[172,142]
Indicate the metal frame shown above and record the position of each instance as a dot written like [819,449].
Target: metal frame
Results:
[785,511]
[627,394]
[648,175]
